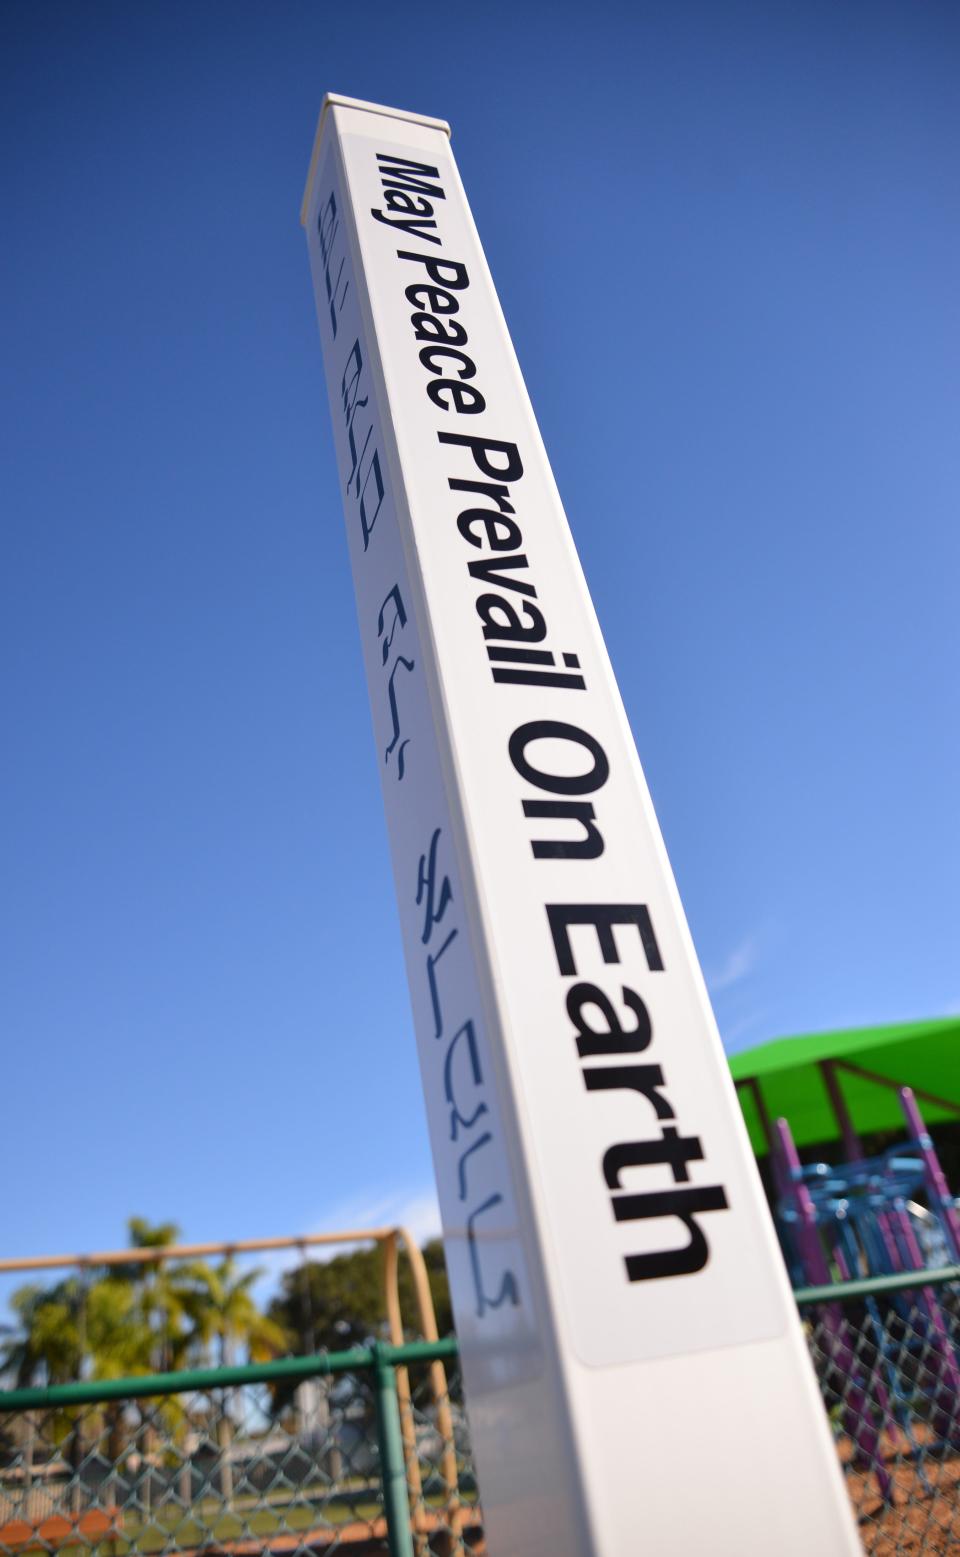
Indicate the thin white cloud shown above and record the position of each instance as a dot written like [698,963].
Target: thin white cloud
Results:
[414,1209]
[738,966]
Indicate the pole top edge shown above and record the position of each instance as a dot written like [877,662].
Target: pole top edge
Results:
[336,100]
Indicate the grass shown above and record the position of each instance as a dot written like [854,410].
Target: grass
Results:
[251,1516]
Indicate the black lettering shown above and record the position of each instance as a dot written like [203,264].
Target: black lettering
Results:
[541,678]
[427,328]
[456,281]
[413,226]
[411,205]
[522,656]
[437,300]
[460,397]
[486,488]
[676,1150]
[684,1204]
[603,916]
[397,172]
[589,847]
[511,627]
[429,355]
[492,570]
[500,534]
[484,450]
[614,1038]
[645,1079]
[559,783]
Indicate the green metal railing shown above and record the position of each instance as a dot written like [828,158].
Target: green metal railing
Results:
[56,1415]
[325,1454]
[876,1286]
[85,1392]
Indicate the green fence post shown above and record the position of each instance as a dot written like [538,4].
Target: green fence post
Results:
[393,1471]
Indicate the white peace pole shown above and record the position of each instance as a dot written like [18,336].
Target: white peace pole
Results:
[635,1370]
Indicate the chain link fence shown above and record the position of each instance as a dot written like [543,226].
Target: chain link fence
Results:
[887,1355]
[367,1451]
[351,1453]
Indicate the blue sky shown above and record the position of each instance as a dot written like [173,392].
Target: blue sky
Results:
[726,241]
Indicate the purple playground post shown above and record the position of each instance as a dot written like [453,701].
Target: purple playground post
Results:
[808,1238]
[857,1415]
[943,1206]
[942,1202]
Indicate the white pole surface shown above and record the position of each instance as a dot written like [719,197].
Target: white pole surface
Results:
[635,1369]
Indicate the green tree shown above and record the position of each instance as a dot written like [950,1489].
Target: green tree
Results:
[166,1292]
[225,1313]
[43,1344]
[337,1303]
[75,1328]
[435,1261]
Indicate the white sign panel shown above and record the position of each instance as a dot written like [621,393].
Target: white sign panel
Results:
[601,1208]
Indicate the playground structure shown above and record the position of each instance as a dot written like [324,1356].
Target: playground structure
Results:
[863,1216]
[868,1218]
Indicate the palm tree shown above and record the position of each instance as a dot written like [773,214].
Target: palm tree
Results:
[165,1290]
[131,1319]
[42,1347]
[78,1326]
[51,1343]
[226,1313]
[121,1321]
[166,1293]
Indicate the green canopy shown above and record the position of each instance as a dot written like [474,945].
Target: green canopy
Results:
[794,1077]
